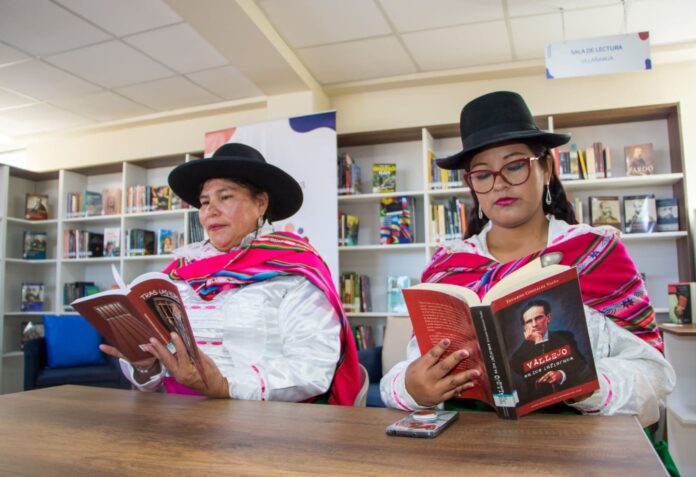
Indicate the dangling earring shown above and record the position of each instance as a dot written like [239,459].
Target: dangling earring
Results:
[480,213]
[259,222]
[548,193]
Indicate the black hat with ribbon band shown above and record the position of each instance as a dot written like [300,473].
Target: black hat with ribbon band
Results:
[495,118]
[239,161]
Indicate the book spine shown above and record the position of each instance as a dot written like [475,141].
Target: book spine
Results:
[495,358]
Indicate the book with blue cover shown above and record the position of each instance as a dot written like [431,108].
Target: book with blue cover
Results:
[34,245]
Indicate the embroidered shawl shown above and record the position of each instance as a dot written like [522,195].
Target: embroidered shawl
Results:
[609,281]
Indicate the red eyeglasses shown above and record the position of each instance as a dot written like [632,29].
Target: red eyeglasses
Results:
[514,173]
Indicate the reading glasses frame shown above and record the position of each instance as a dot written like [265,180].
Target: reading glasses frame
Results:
[500,172]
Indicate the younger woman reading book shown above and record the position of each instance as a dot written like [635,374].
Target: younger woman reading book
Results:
[263,308]
[521,212]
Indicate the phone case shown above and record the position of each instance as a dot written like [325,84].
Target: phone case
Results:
[411,427]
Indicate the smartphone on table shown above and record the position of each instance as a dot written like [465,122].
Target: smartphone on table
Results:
[429,423]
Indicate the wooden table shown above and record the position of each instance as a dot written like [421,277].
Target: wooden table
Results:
[74,431]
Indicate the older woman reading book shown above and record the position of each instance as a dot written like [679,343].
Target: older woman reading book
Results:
[520,213]
[263,309]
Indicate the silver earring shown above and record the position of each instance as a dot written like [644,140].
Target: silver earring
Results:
[259,222]
[548,194]
[480,213]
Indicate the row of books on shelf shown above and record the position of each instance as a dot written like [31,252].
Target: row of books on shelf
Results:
[443,178]
[350,182]
[82,244]
[639,214]
[195,231]
[396,223]
[149,242]
[364,337]
[91,203]
[33,294]
[74,290]
[348,175]
[577,163]
[572,163]
[145,198]
[87,244]
[140,198]
[355,292]
[448,220]
[348,227]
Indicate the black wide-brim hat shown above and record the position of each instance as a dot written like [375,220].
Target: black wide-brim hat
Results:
[239,161]
[496,118]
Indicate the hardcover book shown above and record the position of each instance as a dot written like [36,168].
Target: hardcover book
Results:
[161,198]
[34,245]
[95,244]
[639,160]
[92,203]
[112,242]
[383,178]
[640,213]
[128,316]
[165,241]
[528,336]
[32,296]
[667,215]
[395,298]
[352,229]
[605,210]
[111,200]
[680,302]
[395,220]
[36,207]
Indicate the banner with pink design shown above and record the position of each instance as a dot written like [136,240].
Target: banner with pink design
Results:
[304,147]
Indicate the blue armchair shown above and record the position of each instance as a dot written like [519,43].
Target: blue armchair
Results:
[38,375]
[371,359]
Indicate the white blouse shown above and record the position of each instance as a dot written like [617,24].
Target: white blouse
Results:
[278,339]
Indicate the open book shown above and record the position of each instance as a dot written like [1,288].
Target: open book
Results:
[528,336]
[129,316]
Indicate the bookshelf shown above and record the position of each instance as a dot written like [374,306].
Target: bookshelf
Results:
[4,185]
[56,270]
[664,256]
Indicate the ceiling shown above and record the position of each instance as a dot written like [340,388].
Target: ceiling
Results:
[67,64]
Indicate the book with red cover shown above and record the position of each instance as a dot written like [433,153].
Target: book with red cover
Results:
[528,336]
[128,316]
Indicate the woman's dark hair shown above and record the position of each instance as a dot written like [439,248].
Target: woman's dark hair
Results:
[560,206]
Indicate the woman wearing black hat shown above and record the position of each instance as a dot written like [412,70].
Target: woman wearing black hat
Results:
[520,212]
[265,314]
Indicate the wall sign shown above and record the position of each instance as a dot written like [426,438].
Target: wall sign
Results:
[598,56]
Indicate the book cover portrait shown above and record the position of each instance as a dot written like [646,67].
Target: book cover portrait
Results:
[640,213]
[32,296]
[667,214]
[639,160]
[36,207]
[34,245]
[547,343]
[383,178]
[605,211]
